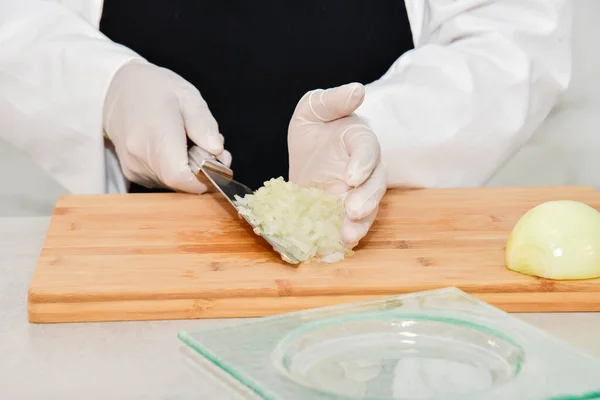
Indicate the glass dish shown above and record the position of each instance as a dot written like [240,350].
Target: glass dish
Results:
[441,344]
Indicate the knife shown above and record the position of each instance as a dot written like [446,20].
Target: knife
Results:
[221,177]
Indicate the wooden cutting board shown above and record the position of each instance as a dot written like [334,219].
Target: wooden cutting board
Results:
[177,256]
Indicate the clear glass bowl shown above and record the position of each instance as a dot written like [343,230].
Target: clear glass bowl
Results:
[441,344]
[382,356]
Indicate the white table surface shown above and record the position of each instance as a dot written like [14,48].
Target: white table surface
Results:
[129,360]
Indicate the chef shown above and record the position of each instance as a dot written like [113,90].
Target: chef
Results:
[352,96]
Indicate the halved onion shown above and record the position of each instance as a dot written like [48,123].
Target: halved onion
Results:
[556,240]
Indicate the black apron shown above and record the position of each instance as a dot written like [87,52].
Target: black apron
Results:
[253,60]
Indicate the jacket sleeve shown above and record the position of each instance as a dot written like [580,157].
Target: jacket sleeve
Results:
[55,68]
[483,76]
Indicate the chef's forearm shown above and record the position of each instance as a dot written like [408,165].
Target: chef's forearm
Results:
[452,111]
[55,68]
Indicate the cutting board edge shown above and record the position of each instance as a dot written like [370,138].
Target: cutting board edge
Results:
[256,307]
[281,289]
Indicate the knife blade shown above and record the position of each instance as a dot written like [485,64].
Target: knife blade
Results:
[221,177]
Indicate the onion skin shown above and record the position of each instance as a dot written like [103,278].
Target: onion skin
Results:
[557,240]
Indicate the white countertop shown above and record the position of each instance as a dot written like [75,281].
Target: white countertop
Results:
[129,360]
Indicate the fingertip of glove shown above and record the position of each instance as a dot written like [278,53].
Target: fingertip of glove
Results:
[215,143]
[355,176]
[356,95]
[350,245]
[357,208]
[358,89]
[185,181]
[194,186]
[226,158]
[351,234]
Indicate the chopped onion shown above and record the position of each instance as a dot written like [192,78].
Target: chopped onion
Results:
[307,222]
[556,240]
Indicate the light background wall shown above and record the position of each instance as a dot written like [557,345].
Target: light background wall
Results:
[576,117]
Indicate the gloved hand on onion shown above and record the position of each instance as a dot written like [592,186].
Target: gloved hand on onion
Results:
[332,149]
[334,153]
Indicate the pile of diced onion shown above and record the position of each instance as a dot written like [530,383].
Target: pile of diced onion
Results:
[307,222]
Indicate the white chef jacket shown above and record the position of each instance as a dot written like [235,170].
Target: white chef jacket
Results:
[483,76]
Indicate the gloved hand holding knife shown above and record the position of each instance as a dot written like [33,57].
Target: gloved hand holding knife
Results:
[149,114]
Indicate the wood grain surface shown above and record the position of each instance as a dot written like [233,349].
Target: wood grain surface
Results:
[177,256]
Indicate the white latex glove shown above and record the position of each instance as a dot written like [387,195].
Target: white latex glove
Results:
[334,150]
[149,112]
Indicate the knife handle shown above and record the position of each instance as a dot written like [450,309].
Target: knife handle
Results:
[199,159]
